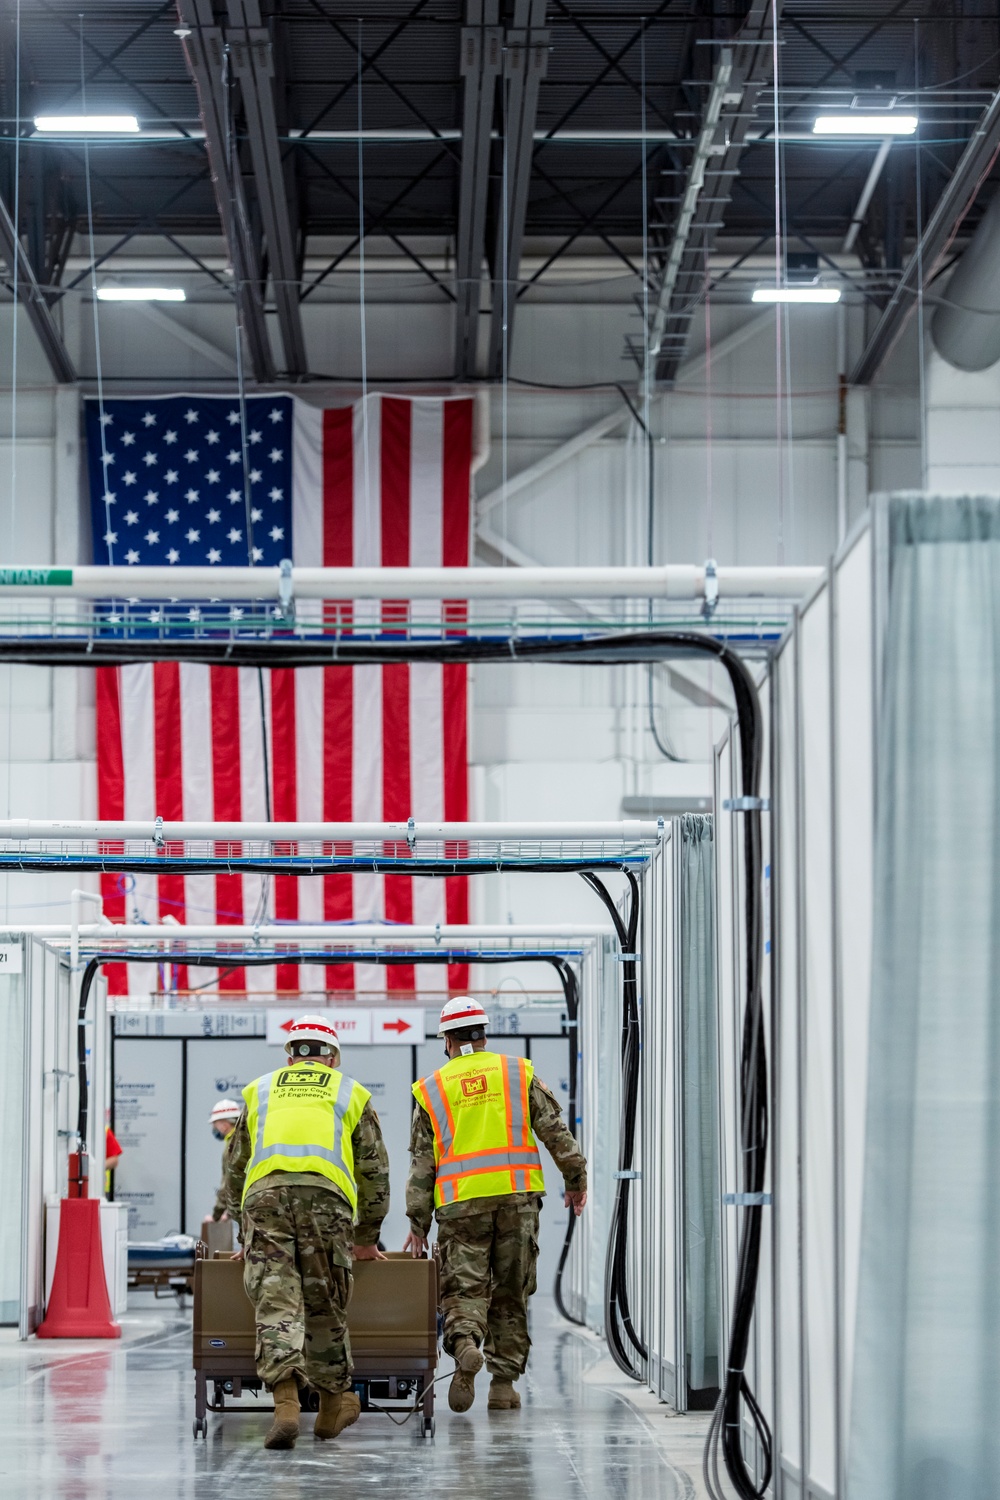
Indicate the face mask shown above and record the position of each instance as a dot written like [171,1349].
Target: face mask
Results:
[220,1135]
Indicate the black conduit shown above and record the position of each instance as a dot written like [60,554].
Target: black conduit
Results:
[572,992]
[617,1315]
[725,1434]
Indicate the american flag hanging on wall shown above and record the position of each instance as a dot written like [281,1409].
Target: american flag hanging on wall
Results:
[385,482]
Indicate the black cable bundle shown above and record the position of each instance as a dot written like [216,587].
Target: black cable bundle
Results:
[726,1430]
[617,1316]
[83,1094]
[572,993]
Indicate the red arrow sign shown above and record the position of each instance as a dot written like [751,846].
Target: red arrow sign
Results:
[287,1025]
[399,1026]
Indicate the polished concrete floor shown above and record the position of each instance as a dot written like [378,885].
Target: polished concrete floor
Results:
[113,1422]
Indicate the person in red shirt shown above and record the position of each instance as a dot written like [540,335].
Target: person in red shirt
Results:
[112,1155]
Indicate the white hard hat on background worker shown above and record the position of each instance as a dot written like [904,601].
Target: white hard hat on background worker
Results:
[225,1110]
[223,1122]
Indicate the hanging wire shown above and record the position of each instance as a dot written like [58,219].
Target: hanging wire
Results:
[660,741]
[103,418]
[361,293]
[15,282]
[785,314]
[232,156]
[921,360]
[778,270]
[504,367]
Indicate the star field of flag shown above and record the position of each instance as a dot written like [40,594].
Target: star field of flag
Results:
[190,481]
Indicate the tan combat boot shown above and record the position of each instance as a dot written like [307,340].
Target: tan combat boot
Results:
[503,1396]
[285,1427]
[337,1410]
[468,1362]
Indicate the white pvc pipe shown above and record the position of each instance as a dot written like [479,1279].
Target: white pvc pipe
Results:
[77,897]
[365,932]
[368,932]
[43,830]
[675,581]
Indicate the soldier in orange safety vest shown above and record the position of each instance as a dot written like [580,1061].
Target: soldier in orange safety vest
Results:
[474,1162]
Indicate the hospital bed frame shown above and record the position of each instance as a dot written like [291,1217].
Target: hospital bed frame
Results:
[391,1318]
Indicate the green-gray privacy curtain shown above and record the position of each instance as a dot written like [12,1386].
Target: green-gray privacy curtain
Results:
[701,1103]
[925,1410]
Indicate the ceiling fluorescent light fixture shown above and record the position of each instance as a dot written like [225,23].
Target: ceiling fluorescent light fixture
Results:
[141,294]
[858,124]
[825,294]
[87,124]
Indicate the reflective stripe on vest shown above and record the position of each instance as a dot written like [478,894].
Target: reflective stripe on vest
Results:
[483,1142]
[323,1120]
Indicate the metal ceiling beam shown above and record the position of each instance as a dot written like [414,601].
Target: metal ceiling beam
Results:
[958,196]
[742,70]
[30,294]
[253,66]
[205,51]
[525,61]
[481,63]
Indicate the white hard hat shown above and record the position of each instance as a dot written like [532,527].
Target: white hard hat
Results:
[461,1012]
[312,1029]
[226,1109]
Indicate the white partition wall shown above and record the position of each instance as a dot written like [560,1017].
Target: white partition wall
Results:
[819,705]
[49,1112]
[668,1293]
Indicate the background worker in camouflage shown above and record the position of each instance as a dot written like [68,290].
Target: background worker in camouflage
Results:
[468,1115]
[223,1122]
[307,1180]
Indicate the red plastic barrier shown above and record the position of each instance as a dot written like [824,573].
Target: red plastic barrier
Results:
[79,1307]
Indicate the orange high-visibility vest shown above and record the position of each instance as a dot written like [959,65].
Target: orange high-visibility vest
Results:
[483,1141]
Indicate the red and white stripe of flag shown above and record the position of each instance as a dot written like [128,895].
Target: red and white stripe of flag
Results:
[384,482]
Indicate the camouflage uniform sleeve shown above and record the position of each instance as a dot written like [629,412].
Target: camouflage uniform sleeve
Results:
[371,1171]
[220,1197]
[235,1160]
[420,1183]
[547,1123]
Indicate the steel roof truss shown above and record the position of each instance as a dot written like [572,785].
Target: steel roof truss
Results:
[525,62]
[481,63]
[253,65]
[204,49]
[30,294]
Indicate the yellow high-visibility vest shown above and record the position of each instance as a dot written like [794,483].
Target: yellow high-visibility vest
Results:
[301,1119]
[483,1142]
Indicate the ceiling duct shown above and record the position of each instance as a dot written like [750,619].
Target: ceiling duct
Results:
[966,326]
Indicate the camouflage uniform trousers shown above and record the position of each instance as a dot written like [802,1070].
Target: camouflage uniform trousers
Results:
[488,1263]
[297,1246]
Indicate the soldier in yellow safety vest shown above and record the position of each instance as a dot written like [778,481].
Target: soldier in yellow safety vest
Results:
[474,1161]
[307,1181]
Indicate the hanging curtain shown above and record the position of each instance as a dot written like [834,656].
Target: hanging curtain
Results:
[701,1120]
[925,1412]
